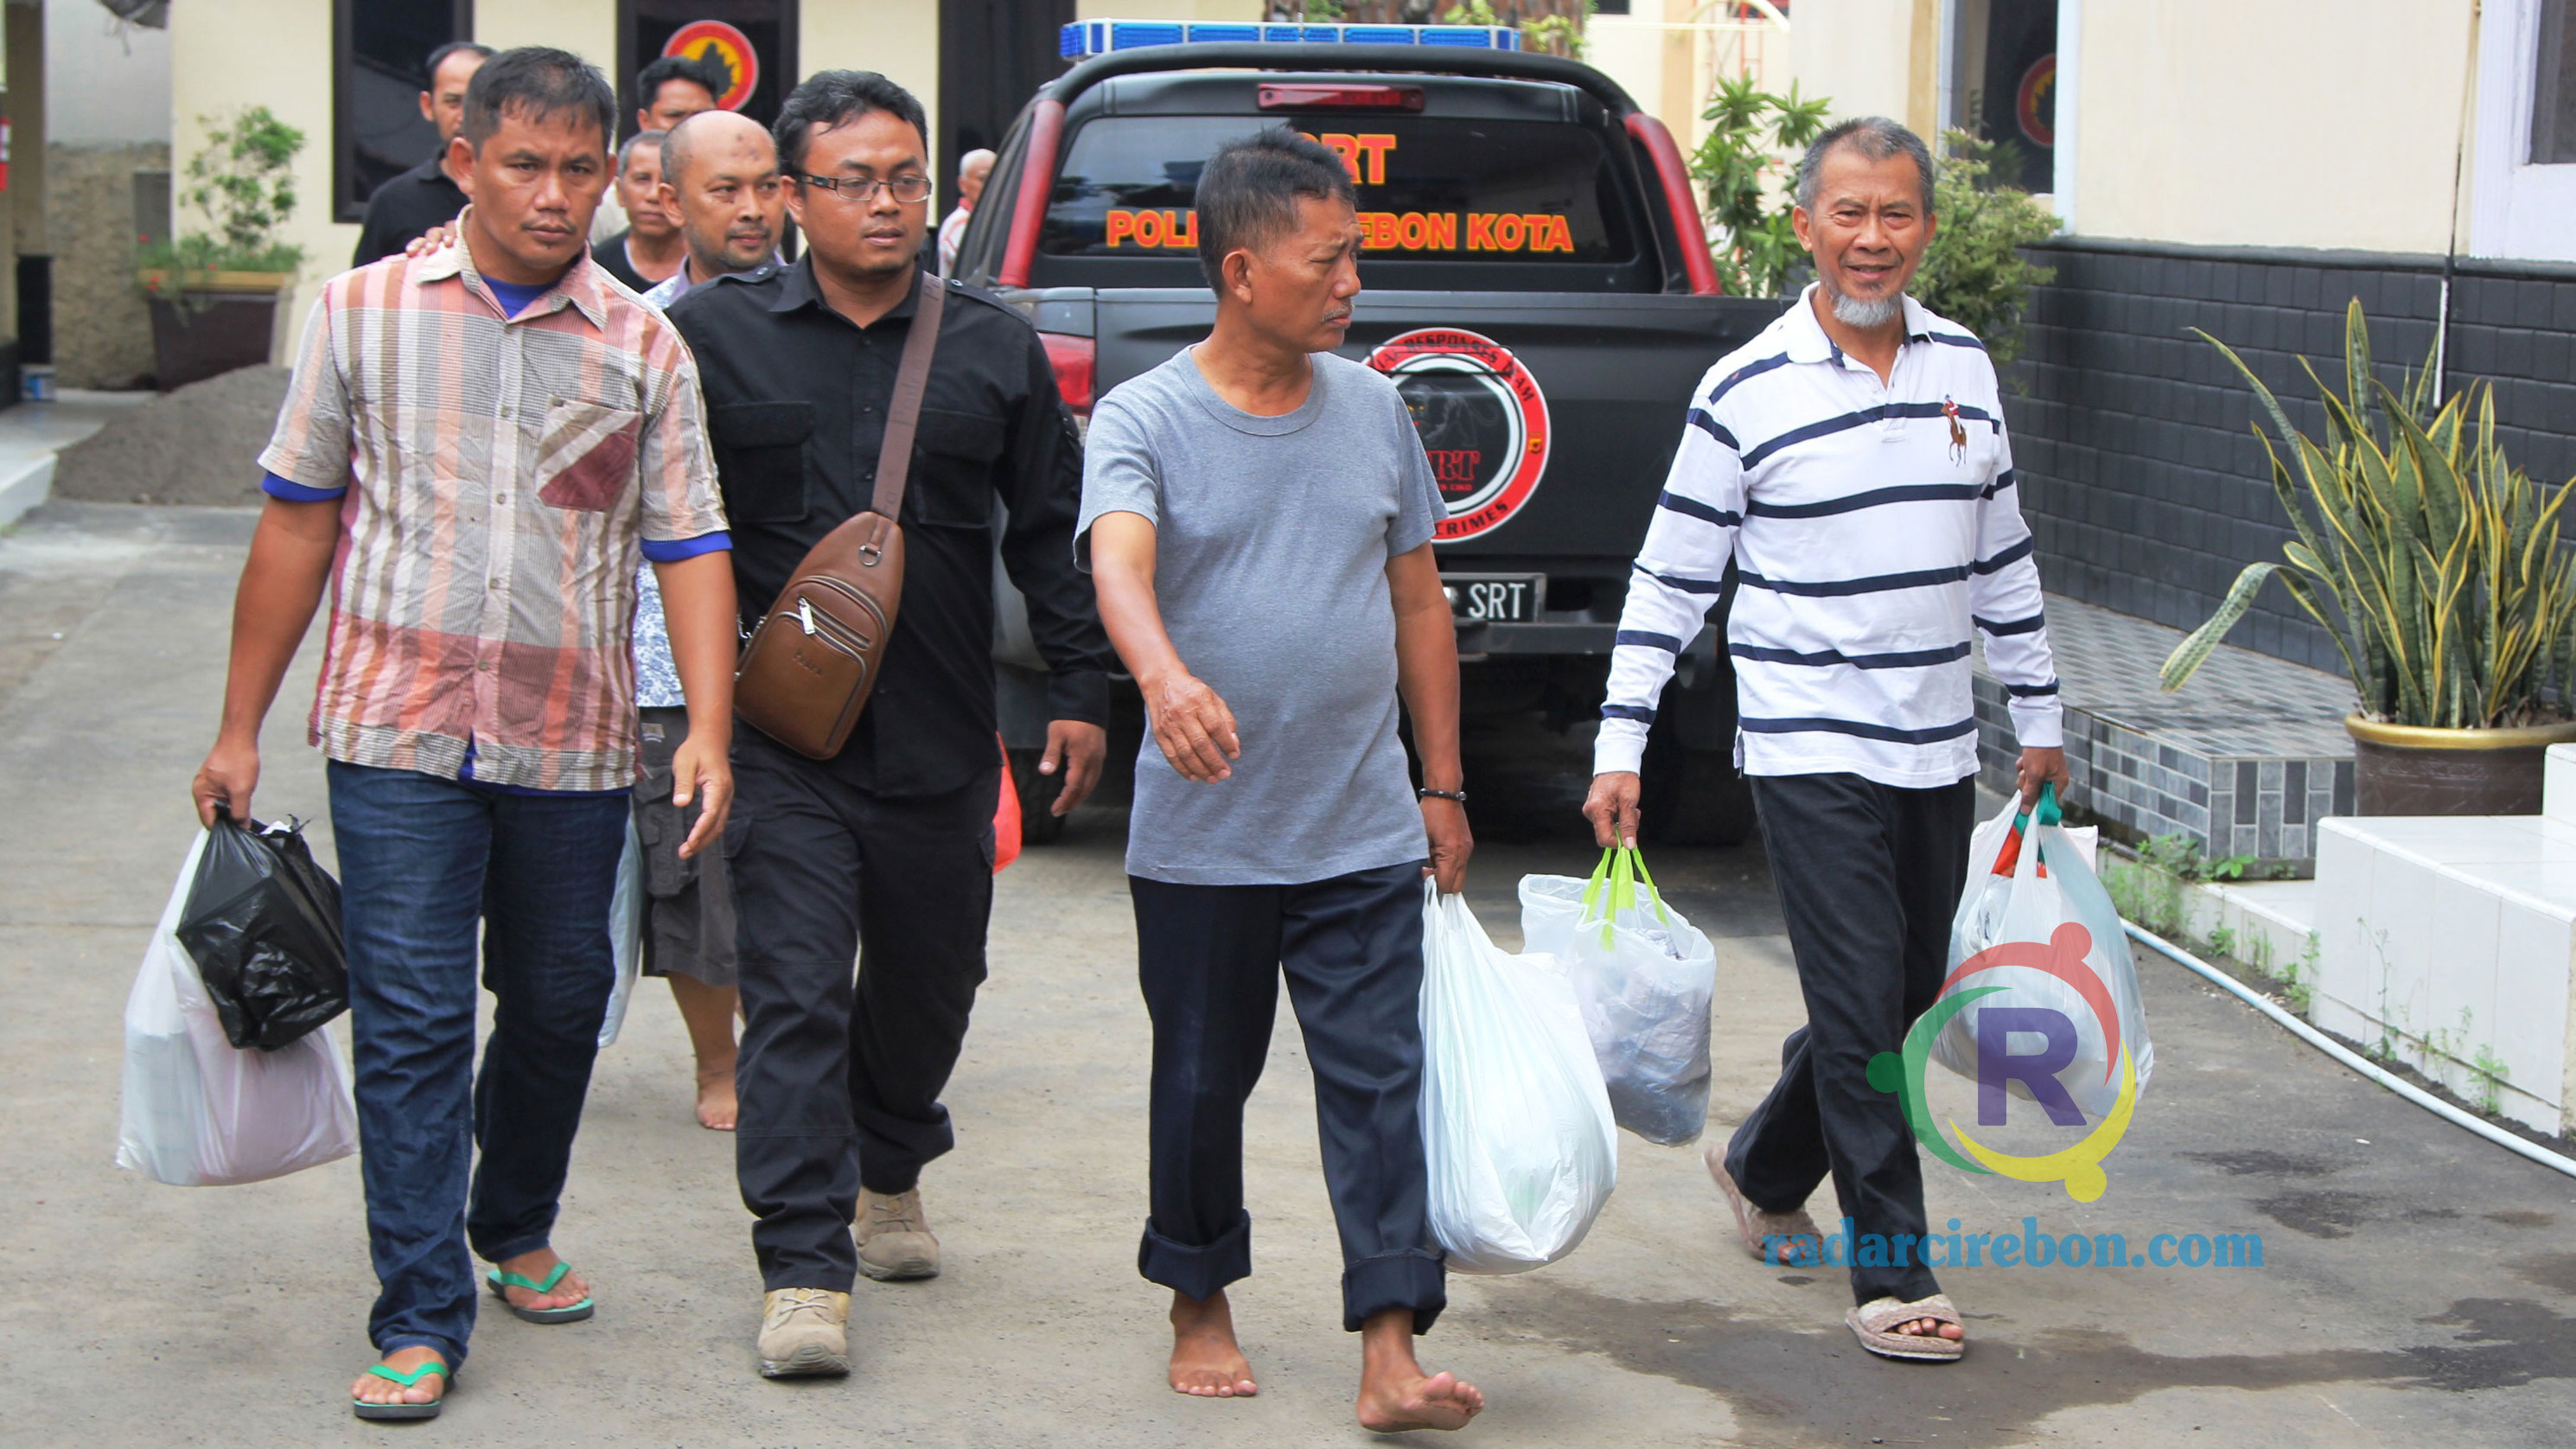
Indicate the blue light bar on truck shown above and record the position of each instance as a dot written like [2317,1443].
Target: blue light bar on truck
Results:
[1084,39]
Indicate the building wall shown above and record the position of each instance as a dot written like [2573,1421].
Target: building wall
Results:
[106,82]
[901,40]
[223,57]
[107,118]
[2143,478]
[102,330]
[1862,55]
[2297,123]
[275,53]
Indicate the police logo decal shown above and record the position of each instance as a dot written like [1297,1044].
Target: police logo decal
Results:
[1482,418]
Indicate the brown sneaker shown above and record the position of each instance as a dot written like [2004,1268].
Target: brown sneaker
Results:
[804,1332]
[895,1243]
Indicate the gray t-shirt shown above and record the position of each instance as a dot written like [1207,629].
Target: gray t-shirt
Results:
[1272,537]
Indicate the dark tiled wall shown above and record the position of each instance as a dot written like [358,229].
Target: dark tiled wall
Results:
[2143,479]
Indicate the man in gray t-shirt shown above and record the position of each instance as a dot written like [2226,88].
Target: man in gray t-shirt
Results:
[1257,514]
[1272,537]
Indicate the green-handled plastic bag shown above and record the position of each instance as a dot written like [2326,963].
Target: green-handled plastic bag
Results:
[1644,976]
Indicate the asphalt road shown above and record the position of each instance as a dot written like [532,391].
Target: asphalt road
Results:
[2417,1285]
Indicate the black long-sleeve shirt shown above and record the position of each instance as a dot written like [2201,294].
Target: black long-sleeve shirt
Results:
[404,207]
[796,403]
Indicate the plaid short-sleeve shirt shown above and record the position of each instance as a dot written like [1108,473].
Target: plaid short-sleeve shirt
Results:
[502,477]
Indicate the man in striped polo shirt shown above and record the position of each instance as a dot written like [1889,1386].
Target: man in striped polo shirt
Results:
[1851,463]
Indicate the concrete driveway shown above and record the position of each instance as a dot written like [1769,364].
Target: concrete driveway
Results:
[2417,1286]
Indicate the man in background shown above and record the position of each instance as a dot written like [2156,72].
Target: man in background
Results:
[427,194]
[674,88]
[650,248]
[720,182]
[667,92]
[977,165]
[720,178]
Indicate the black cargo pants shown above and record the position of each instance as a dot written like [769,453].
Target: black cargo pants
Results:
[841,1071]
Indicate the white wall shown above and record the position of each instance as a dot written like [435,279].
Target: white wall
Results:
[276,53]
[2297,123]
[1857,53]
[103,87]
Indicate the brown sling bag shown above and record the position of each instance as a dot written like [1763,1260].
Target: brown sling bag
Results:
[815,655]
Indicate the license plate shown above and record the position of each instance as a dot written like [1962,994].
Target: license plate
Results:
[1496,598]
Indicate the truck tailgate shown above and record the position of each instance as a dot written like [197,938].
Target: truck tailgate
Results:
[1550,417]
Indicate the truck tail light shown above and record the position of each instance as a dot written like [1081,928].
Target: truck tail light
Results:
[1324,97]
[1074,360]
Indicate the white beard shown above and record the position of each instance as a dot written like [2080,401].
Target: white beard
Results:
[1854,312]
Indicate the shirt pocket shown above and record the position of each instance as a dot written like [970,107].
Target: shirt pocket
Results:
[952,469]
[586,455]
[760,459]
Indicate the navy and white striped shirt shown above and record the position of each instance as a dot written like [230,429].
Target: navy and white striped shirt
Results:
[1872,526]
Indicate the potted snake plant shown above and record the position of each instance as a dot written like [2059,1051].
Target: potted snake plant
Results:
[214,294]
[2435,565]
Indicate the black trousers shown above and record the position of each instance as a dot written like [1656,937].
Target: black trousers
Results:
[839,1078]
[1869,876]
[1210,958]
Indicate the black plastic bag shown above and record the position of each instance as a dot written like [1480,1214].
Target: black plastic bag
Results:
[263,925]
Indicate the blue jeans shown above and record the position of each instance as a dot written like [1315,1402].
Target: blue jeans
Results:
[422,860]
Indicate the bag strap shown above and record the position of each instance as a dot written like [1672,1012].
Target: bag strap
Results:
[911,384]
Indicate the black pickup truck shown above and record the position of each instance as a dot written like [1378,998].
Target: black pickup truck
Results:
[1536,282]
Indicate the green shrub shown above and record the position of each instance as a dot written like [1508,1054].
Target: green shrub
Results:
[1974,272]
[1745,182]
[243,180]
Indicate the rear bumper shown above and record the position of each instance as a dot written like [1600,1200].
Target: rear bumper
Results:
[1544,637]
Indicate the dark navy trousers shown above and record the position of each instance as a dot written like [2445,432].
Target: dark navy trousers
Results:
[423,862]
[1210,959]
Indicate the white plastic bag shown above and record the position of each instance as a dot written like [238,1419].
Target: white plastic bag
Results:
[1515,1124]
[1645,977]
[199,1112]
[2012,931]
[625,932]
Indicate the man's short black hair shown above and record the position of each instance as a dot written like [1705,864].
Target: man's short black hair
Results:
[439,56]
[830,98]
[1249,190]
[703,74]
[537,81]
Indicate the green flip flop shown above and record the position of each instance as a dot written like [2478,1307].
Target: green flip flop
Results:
[499,1281]
[365,1410]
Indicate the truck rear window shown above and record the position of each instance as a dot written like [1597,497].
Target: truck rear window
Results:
[1430,187]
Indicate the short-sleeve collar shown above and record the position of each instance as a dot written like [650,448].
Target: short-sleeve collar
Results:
[578,287]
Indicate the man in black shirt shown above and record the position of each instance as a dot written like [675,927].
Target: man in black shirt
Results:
[651,247]
[425,196]
[888,848]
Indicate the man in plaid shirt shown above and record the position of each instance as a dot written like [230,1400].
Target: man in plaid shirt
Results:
[477,446]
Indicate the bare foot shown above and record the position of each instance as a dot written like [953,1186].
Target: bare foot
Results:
[569,1290]
[1395,1394]
[372,1389]
[1206,1361]
[716,1107]
[1928,1327]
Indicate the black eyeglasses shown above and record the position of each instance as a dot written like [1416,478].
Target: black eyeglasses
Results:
[910,190]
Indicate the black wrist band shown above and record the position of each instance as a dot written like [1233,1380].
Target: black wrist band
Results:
[1458,796]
